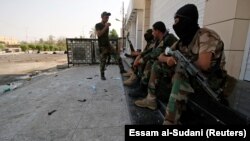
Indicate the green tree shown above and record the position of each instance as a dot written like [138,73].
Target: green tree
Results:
[45,47]
[113,34]
[39,47]
[24,47]
[2,46]
[32,46]
[61,44]
[51,47]
[56,48]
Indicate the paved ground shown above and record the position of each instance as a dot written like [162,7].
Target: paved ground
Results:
[66,107]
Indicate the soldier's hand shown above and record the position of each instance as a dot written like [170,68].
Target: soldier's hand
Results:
[135,53]
[171,61]
[107,24]
[136,64]
[162,58]
[166,59]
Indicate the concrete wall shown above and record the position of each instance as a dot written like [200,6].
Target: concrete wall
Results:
[164,10]
[230,19]
[146,20]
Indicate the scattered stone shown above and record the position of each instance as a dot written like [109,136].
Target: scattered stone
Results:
[50,113]
[84,100]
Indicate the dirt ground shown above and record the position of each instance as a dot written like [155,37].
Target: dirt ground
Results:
[13,65]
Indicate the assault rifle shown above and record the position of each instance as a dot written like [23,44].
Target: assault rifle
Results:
[130,44]
[192,71]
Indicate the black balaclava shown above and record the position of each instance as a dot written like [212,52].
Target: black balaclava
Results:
[148,36]
[187,26]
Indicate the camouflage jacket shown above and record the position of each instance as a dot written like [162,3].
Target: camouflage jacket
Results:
[154,52]
[206,40]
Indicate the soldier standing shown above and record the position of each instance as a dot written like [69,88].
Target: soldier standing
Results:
[102,30]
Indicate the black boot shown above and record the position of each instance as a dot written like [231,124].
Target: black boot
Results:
[140,91]
[123,71]
[136,84]
[103,76]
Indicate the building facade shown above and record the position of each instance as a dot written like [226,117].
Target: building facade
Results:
[229,18]
[9,40]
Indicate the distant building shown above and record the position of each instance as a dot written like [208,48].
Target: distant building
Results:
[12,44]
[9,40]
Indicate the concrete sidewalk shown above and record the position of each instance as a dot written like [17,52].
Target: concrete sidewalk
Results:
[72,105]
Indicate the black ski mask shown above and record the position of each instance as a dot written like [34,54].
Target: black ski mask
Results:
[187,25]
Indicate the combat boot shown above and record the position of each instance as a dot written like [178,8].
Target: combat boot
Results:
[148,102]
[128,74]
[123,71]
[140,91]
[132,79]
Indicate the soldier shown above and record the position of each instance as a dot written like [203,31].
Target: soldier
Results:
[149,38]
[203,47]
[102,30]
[162,37]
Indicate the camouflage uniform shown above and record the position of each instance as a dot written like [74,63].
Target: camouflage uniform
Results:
[153,72]
[160,79]
[205,40]
[106,49]
[150,56]
[147,49]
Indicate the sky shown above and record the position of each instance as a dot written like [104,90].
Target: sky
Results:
[30,20]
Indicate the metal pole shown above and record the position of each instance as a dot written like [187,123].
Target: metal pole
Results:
[123,43]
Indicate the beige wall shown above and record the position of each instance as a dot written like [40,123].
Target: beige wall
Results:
[230,19]
[9,40]
[146,20]
[164,10]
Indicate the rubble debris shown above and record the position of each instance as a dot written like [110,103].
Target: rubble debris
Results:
[116,78]
[84,100]
[10,87]
[93,88]
[50,113]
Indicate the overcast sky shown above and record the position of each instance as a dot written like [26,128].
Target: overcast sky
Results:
[34,19]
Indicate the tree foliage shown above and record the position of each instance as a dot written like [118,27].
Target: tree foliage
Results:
[2,46]
[113,34]
[50,44]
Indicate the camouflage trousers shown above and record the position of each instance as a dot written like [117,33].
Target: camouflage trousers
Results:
[146,72]
[161,74]
[105,52]
[178,98]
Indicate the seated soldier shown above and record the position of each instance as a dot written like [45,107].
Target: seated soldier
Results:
[162,37]
[200,45]
[134,70]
